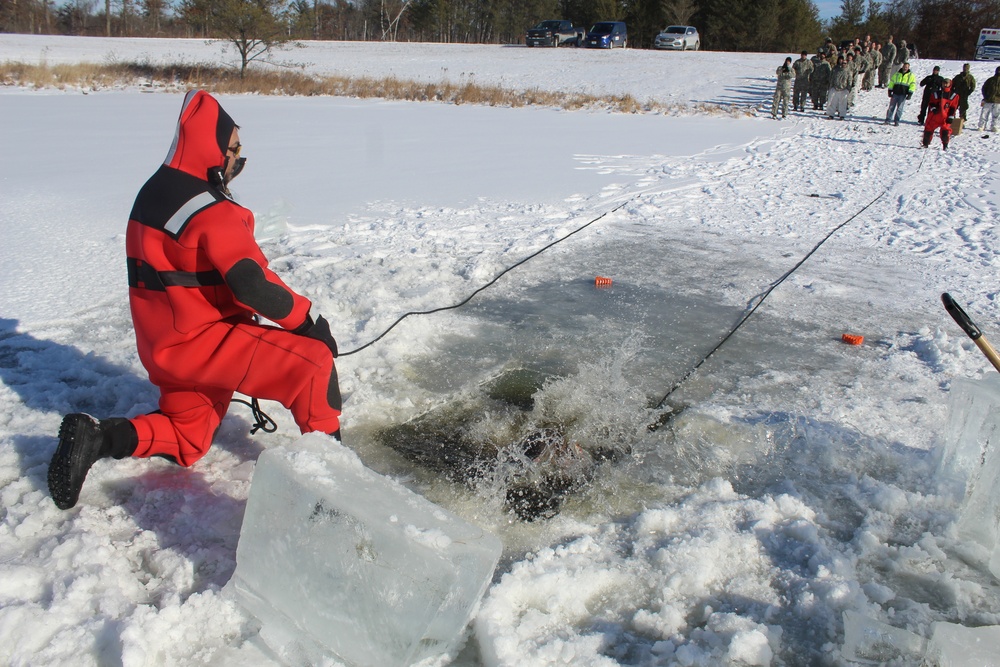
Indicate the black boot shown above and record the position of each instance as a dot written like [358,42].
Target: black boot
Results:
[82,441]
[927,138]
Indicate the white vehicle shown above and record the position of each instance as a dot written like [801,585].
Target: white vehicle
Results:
[678,38]
[988,46]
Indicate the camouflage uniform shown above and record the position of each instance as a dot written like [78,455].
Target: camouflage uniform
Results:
[888,61]
[861,65]
[840,84]
[831,51]
[852,66]
[991,102]
[902,53]
[782,89]
[902,56]
[964,84]
[802,67]
[875,60]
[819,82]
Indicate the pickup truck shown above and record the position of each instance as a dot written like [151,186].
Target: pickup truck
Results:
[554,33]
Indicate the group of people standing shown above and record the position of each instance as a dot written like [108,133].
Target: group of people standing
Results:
[832,78]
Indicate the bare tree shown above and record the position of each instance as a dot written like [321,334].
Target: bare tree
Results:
[253,27]
[390,17]
[679,12]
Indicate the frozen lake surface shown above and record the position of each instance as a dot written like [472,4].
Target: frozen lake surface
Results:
[797,479]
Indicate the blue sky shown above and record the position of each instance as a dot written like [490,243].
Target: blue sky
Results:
[828,8]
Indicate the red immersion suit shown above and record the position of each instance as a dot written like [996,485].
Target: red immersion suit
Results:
[940,111]
[196,279]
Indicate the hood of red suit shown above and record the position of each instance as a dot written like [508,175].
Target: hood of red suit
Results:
[202,138]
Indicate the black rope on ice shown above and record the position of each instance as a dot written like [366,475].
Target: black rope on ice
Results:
[262,420]
[770,289]
[491,282]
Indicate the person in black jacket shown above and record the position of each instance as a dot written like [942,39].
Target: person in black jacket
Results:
[931,84]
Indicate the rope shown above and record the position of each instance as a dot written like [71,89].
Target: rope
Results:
[773,287]
[262,420]
[491,282]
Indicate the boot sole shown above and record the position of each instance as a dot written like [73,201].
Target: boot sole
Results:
[70,464]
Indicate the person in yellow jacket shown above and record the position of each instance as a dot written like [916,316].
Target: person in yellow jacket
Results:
[901,87]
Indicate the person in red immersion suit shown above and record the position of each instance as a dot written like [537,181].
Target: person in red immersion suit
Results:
[198,284]
[940,112]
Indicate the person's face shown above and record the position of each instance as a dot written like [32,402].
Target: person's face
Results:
[233,153]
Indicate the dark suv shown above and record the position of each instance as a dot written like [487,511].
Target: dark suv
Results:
[606,35]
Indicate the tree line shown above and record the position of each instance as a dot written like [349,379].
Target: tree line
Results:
[940,28]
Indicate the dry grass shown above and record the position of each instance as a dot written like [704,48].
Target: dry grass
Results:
[92,77]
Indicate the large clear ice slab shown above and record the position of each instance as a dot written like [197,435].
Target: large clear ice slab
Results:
[958,646]
[971,463]
[337,561]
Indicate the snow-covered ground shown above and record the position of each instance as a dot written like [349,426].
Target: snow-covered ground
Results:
[799,481]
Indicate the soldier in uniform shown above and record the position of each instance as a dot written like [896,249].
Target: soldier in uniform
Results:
[991,102]
[831,51]
[840,83]
[888,61]
[852,67]
[965,85]
[874,60]
[782,89]
[878,58]
[819,81]
[902,56]
[802,67]
[861,64]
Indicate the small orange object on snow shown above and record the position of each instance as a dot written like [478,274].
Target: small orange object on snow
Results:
[852,339]
[601,281]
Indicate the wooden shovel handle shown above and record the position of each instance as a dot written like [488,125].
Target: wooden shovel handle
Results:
[970,328]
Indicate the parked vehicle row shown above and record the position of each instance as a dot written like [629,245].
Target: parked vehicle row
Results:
[602,35]
[608,35]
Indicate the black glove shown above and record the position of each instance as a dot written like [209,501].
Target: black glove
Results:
[318,330]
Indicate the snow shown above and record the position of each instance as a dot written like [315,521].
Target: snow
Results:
[798,483]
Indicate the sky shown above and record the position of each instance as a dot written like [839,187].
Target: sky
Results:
[828,9]
[804,496]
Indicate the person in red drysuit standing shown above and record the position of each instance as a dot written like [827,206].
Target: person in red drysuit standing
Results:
[941,111]
[197,283]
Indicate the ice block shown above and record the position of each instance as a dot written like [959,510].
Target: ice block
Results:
[957,646]
[869,641]
[971,458]
[337,561]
